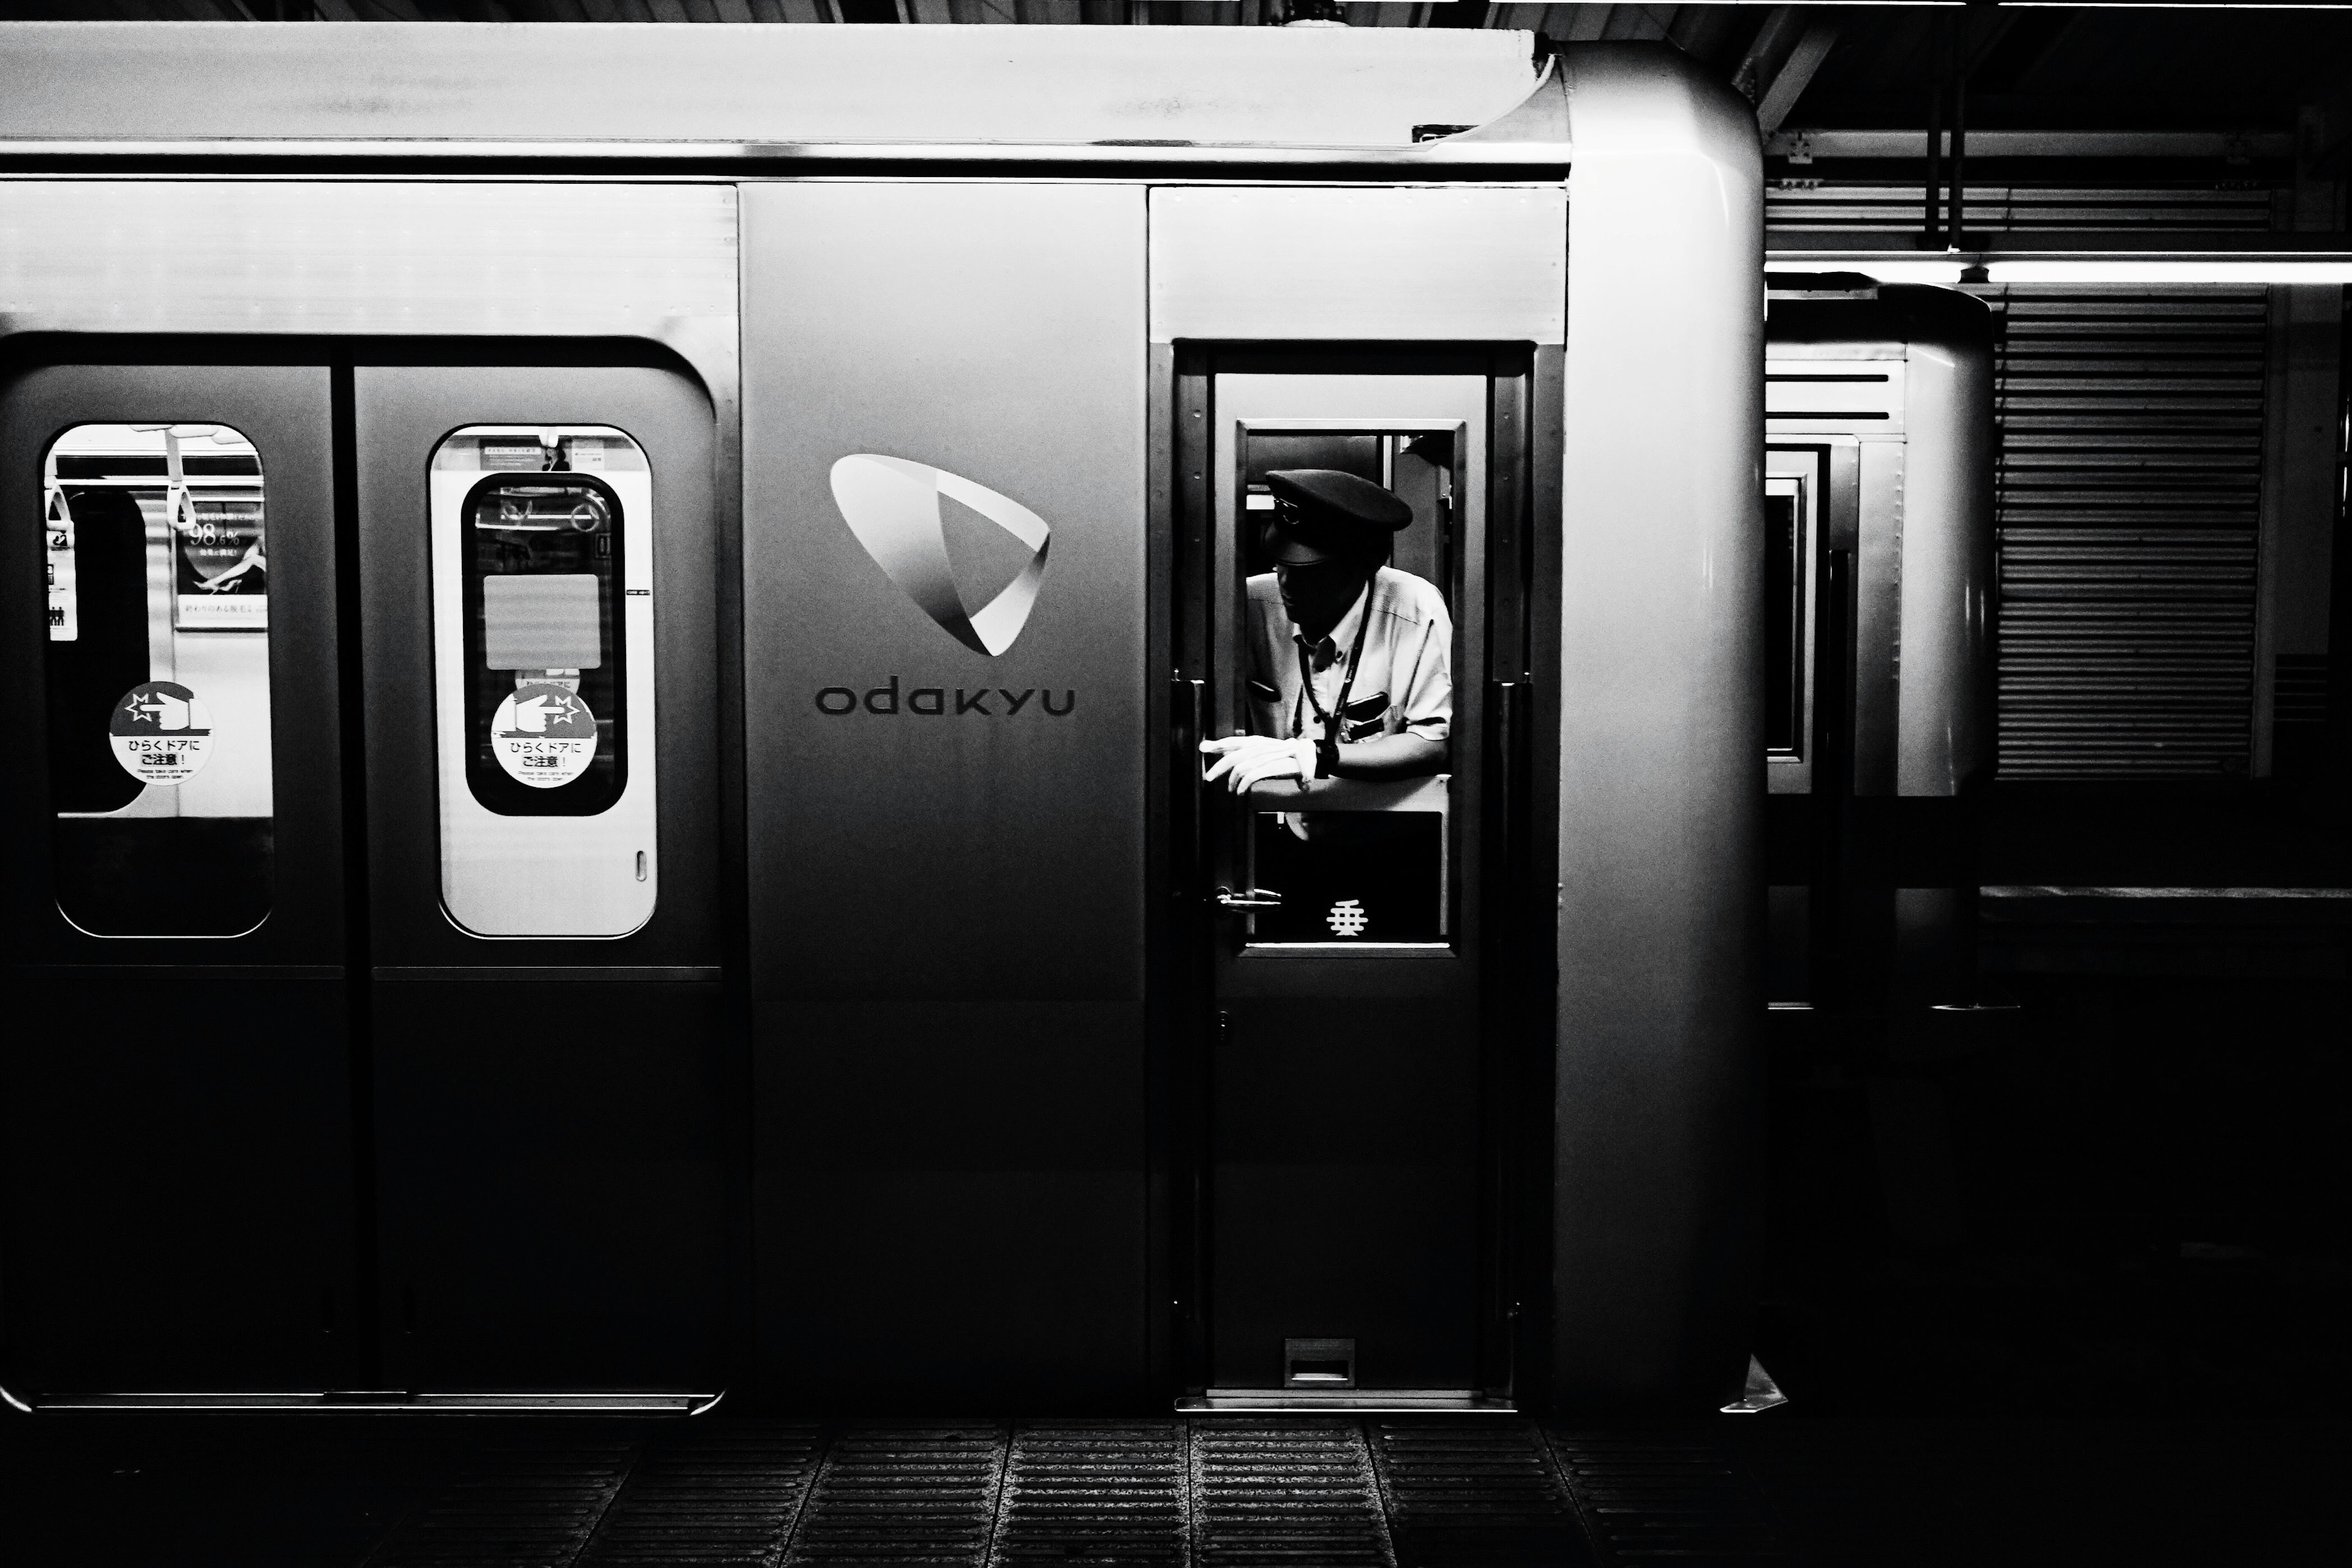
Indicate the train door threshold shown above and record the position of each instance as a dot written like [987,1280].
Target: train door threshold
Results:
[1352,1402]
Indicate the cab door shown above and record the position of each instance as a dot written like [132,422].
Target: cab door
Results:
[1347,1197]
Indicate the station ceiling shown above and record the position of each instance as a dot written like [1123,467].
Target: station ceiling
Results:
[1831,67]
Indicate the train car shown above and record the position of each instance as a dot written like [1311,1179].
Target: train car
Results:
[1879,509]
[615,812]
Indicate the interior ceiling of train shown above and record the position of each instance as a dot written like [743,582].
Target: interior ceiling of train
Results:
[2025,67]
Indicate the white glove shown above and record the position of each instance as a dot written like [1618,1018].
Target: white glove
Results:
[1244,762]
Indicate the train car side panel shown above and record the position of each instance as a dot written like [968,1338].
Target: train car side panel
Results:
[944,632]
[1945,716]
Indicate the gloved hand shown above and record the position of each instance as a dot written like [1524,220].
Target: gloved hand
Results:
[1244,760]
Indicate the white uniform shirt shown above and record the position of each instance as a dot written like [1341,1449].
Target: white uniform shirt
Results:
[1405,678]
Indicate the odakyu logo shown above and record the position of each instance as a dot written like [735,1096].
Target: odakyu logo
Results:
[892,505]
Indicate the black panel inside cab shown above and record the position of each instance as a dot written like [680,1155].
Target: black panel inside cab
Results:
[1354,877]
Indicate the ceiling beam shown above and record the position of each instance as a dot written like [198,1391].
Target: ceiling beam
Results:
[1775,35]
[1796,73]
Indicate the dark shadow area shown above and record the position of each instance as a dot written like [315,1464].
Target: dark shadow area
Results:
[2129,1197]
[1382,1493]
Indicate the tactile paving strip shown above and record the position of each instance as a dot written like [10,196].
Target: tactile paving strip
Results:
[1273,1491]
[904,1496]
[711,1496]
[523,1501]
[1481,1493]
[1665,1498]
[1095,1493]
[1285,1494]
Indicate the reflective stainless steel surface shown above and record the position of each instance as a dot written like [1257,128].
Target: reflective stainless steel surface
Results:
[945,933]
[1945,731]
[1877,613]
[375,257]
[1351,88]
[1292,263]
[1661,747]
[1907,377]
[947,908]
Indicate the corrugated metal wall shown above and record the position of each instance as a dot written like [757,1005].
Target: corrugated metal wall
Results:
[2130,482]
[1831,206]
[2129,493]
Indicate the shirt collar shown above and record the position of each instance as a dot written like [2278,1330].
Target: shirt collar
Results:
[1335,644]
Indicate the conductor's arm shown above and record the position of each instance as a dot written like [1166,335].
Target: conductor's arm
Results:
[1404,755]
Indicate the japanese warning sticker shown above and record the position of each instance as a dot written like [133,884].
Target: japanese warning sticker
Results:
[161,732]
[543,735]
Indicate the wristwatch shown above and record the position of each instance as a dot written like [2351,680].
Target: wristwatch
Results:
[1327,758]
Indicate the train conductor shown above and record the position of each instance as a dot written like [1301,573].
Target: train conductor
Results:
[1350,660]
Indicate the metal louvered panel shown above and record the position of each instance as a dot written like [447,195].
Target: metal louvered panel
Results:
[2129,496]
[1825,207]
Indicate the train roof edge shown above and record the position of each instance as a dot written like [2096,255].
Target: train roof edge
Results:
[1344,89]
[1911,314]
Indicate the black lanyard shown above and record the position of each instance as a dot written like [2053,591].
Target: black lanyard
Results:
[1331,721]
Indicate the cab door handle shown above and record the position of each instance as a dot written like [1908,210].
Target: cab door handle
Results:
[1249,899]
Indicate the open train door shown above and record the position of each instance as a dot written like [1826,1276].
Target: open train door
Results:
[1353,956]
[1349,1195]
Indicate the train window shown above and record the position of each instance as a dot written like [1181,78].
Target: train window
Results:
[1784,619]
[541,556]
[158,680]
[1366,861]
[543,574]
[1794,482]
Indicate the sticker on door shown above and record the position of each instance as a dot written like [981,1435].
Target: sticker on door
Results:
[543,735]
[162,732]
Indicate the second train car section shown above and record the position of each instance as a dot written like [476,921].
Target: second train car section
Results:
[615,810]
[364,754]
[1879,464]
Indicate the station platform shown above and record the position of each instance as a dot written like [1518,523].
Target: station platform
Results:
[1197,1492]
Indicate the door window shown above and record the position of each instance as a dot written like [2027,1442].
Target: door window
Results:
[158,676]
[1353,861]
[541,549]
[1784,615]
[1792,490]
[543,574]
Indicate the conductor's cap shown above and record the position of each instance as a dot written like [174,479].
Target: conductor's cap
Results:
[1342,508]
